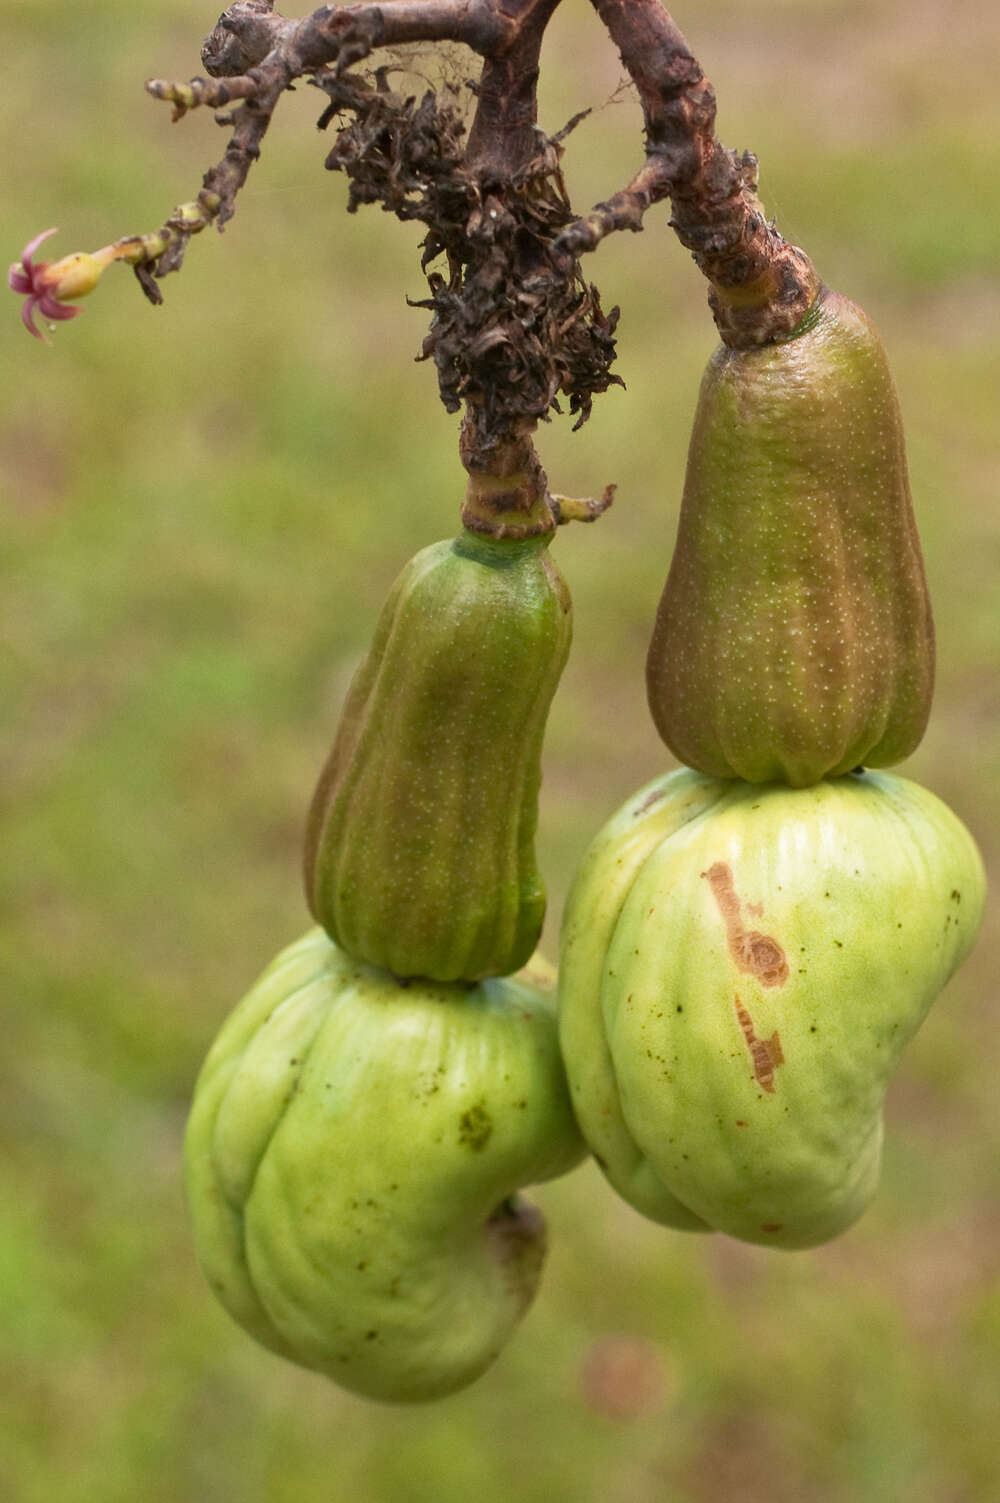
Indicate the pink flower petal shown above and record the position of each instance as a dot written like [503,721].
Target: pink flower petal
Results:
[49,308]
[29,279]
[28,321]
[32,246]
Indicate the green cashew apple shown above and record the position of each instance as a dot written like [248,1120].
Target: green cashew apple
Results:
[794,638]
[741,968]
[353,1157]
[420,853]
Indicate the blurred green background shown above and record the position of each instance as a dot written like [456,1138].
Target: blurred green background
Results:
[202,507]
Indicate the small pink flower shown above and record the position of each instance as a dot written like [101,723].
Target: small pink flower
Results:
[47,285]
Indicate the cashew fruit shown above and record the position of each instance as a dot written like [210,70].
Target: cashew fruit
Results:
[741,968]
[794,637]
[420,854]
[353,1156]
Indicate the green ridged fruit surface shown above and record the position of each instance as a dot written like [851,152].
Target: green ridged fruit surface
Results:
[420,849]
[794,638]
[741,968]
[353,1158]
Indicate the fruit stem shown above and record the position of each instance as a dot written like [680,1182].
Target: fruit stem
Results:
[507,494]
[761,286]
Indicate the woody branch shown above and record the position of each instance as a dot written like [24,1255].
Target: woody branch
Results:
[761,285]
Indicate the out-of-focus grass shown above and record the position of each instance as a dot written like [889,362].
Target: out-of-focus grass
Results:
[202,507]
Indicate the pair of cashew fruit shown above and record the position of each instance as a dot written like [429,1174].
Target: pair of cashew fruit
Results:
[747,947]
[368,1114]
[751,941]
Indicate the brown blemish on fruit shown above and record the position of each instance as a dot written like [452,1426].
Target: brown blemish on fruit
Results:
[651,798]
[765,1054]
[756,953]
[771,1226]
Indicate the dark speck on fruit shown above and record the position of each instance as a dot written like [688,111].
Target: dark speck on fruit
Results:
[475,1127]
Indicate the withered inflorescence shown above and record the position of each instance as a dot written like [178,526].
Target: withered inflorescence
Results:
[515,323]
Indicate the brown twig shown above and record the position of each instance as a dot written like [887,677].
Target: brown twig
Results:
[254,54]
[515,325]
[761,285]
